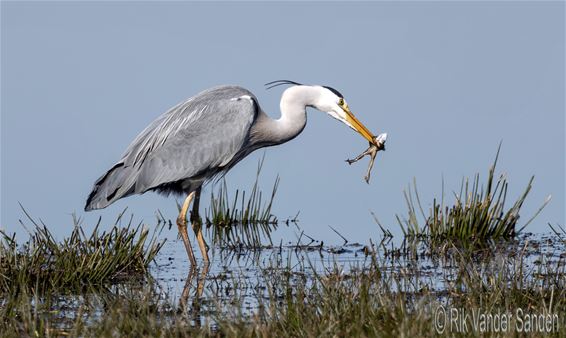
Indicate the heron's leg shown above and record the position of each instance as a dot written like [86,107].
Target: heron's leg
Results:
[182,224]
[197,227]
[195,217]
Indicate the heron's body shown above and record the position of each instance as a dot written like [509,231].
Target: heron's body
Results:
[207,135]
[190,143]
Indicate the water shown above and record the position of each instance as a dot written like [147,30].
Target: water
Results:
[245,276]
[243,281]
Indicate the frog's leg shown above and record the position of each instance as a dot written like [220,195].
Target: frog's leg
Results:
[368,151]
[371,161]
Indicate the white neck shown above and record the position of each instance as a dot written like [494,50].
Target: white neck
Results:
[294,101]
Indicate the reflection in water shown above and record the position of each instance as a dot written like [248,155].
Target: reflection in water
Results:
[251,279]
[195,310]
[247,283]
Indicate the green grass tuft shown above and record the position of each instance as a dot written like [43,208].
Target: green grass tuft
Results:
[243,220]
[478,214]
[44,264]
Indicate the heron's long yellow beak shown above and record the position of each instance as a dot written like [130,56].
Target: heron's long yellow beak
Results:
[358,126]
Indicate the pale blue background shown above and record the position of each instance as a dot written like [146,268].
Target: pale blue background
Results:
[447,81]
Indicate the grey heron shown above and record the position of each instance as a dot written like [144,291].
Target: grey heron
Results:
[207,135]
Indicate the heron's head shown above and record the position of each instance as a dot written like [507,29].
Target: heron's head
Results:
[323,98]
[332,102]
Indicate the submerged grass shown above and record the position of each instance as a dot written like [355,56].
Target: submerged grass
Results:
[477,216]
[43,264]
[241,221]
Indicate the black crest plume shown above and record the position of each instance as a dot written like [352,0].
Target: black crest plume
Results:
[276,83]
[337,93]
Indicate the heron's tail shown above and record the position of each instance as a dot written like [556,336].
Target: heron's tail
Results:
[110,187]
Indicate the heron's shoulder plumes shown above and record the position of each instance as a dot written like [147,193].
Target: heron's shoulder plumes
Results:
[276,83]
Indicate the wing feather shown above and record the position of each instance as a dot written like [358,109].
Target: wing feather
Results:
[195,137]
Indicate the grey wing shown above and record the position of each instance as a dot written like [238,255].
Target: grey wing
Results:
[196,136]
[203,142]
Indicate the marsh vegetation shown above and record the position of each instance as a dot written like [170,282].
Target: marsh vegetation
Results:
[118,282]
[242,221]
[477,216]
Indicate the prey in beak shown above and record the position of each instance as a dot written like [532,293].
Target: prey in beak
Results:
[376,144]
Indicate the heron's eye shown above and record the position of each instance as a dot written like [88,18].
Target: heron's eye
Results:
[341,102]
